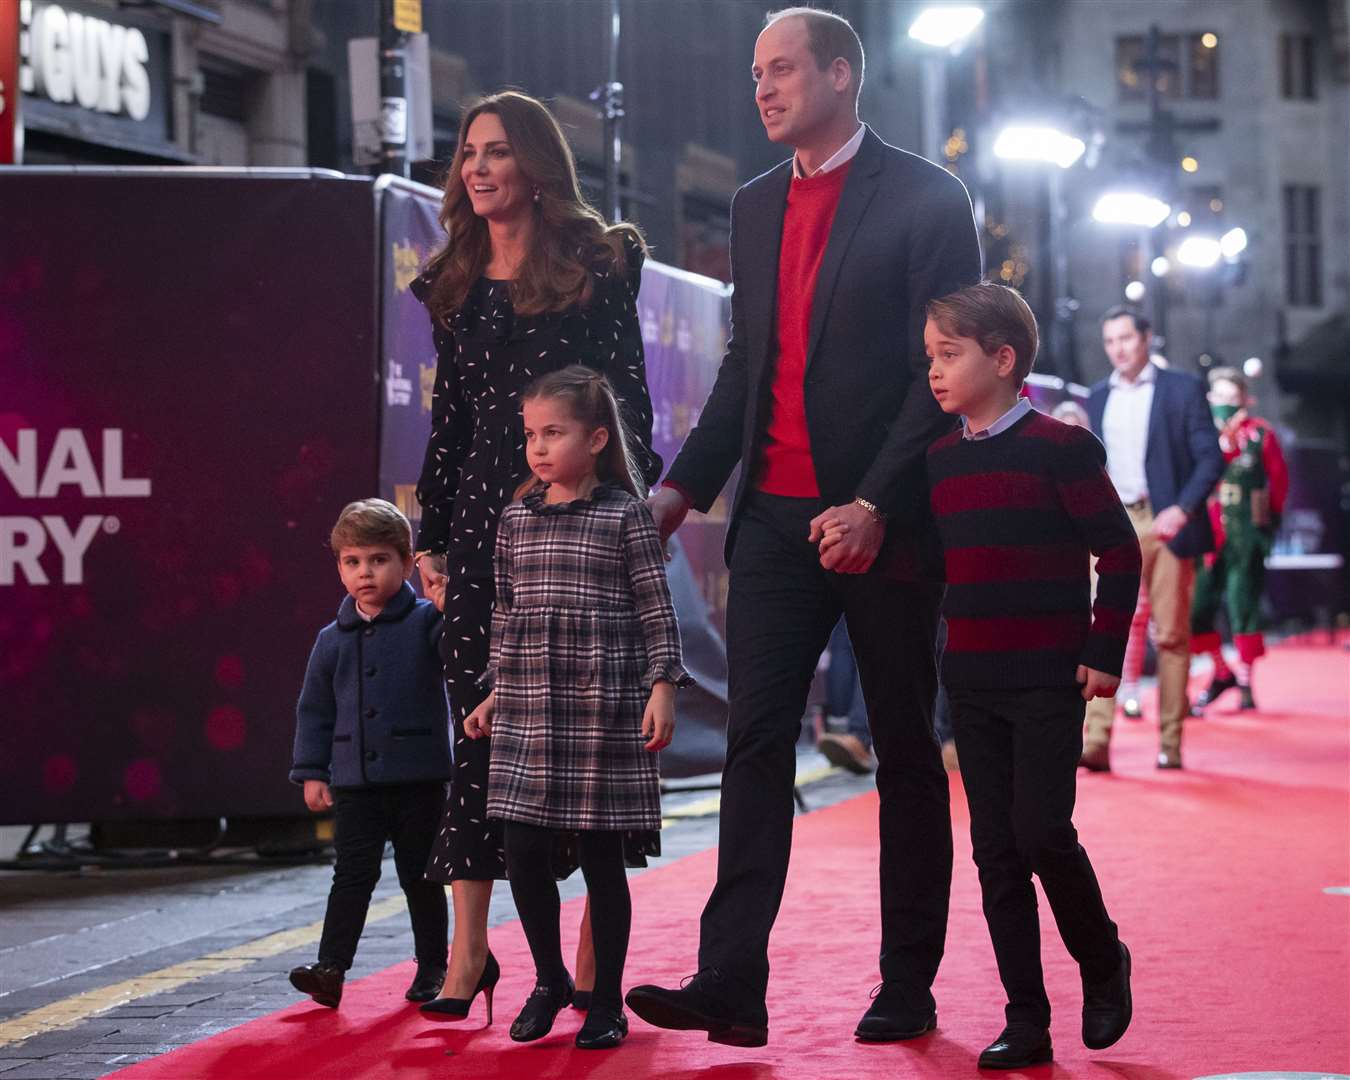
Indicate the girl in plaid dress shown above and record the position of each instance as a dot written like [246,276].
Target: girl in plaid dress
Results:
[584,662]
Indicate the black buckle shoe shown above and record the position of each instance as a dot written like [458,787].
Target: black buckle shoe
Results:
[892,1017]
[541,1009]
[426,983]
[605,1028]
[323,982]
[1017,1047]
[1108,1006]
[700,1004]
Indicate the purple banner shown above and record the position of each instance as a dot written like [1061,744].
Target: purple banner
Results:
[187,402]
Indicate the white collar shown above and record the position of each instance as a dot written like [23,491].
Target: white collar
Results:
[844,154]
[1002,424]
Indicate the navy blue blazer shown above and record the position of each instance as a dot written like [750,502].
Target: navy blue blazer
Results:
[373,708]
[903,234]
[1182,459]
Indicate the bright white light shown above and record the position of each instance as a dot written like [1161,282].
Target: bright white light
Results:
[1160,266]
[1038,144]
[1233,243]
[1134,291]
[1130,208]
[1201,252]
[1252,367]
[943,27]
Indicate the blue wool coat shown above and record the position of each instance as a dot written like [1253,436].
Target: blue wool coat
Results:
[373,708]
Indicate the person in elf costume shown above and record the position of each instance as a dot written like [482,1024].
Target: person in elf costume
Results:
[1245,511]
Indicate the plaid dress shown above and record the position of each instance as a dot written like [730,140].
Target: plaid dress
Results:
[582,628]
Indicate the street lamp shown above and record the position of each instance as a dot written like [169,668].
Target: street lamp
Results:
[1039,143]
[1233,243]
[945,27]
[1130,208]
[1045,144]
[1199,252]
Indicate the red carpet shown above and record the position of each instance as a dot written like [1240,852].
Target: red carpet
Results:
[1215,875]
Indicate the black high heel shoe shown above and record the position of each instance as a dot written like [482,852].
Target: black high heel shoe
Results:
[458,1008]
[541,1009]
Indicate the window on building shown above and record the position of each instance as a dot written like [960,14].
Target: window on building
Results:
[1298,67]
[225,92]
[1187,66]
[1303,245]
[1202,66]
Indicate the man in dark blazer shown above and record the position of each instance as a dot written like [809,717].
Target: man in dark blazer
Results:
[822,398]
[1163,456]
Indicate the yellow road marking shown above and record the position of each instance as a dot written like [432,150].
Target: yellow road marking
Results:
[713,803]
[78,1007]
[72,1010]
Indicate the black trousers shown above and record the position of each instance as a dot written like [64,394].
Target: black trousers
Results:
[529,867]
[1019,753]
[407,814]
[780,610]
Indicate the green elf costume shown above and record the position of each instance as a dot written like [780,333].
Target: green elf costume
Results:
[1245,511]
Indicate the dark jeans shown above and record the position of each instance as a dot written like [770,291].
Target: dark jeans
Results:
[407,814]
[780,611]
[529,867]
[843,692]
[1019,753]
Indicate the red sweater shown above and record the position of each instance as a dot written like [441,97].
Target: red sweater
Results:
[1018,514]
[785,465]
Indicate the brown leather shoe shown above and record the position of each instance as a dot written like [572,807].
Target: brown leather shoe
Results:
[846,751]
[1095,759]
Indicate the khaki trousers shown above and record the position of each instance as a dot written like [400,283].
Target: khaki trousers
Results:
[1170,581]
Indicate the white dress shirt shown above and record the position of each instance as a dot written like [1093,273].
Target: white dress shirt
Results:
[845,153]
[1002,424]
[1125,432]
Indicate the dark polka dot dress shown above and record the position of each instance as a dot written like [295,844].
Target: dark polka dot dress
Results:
[475,460]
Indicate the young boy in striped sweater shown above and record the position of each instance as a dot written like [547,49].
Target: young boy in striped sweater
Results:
[1021,501]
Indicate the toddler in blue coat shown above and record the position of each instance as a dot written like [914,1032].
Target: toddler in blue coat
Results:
[372,742]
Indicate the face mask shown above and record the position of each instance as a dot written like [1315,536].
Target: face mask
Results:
[1224,413]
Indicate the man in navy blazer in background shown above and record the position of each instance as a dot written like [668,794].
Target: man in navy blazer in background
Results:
[1163,456]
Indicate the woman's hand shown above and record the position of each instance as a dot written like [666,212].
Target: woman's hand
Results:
[658,719]
[479,722]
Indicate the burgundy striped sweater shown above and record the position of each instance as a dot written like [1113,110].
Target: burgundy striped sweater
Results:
[1018,514]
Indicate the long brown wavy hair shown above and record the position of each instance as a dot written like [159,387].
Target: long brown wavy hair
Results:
[591,400]
[570,236]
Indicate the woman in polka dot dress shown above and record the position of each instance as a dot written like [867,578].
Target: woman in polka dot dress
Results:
[530,280]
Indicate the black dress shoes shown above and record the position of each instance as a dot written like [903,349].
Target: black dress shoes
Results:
[1248,702]
[1107,1006]
[892,1017]
[702,1004]
[426,983]
[541,1009]
[322,982]
[1016,1048]
[604,1029]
